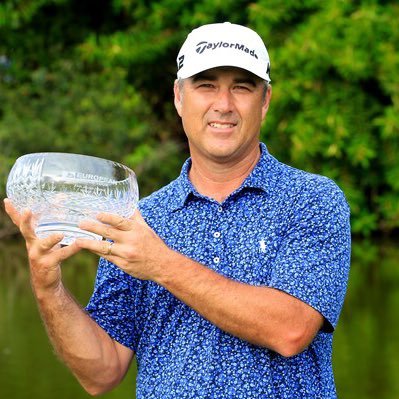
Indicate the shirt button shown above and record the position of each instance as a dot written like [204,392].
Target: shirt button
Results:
[220,209]
[216,259]
[216,234]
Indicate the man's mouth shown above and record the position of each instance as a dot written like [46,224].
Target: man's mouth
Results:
[219,125]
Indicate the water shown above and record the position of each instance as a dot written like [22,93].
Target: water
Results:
[366,361]
[366,344]
[29,369]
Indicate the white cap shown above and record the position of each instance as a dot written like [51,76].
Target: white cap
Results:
[223,44]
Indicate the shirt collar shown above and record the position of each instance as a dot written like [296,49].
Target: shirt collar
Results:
[263,177]
[183,187]
[265,173]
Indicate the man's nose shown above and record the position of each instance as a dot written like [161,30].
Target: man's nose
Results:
[223,101]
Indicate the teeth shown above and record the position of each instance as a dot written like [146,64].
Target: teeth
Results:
[221,125]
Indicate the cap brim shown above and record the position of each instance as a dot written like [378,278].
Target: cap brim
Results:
[187,72]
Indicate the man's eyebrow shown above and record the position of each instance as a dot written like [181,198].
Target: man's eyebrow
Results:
[203,76]
[247,80]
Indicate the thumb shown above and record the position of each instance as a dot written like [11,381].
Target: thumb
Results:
[12,212]
[137,217]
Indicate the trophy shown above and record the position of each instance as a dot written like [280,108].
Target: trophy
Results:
[62,189]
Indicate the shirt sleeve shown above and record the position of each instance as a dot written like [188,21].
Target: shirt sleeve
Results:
[313,261]
[113,303]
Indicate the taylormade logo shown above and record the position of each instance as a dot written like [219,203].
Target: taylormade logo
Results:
[202,46]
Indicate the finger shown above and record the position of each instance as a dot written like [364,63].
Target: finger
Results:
[116,221]
[137,217]
[103,230]
[26,225]
[51,245]
[11,211]
[95,227]
[51,241]
[68,251]
[101,248]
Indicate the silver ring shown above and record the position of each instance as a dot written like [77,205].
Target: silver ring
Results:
[109,252]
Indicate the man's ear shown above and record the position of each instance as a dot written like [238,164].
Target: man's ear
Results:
[266,103]
[178,97]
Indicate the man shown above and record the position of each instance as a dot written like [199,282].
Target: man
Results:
[229,281]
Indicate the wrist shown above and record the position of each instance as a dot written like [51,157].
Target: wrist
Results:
[168,267]
[45,292]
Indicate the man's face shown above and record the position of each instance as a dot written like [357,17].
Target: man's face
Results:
[222,110]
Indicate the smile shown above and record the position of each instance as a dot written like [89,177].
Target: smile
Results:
[218,125]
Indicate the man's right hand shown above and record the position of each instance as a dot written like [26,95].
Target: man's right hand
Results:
[45,255]
[98,362]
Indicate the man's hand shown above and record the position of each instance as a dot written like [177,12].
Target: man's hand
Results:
[135,247]
[45,255]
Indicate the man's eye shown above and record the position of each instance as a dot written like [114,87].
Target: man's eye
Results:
[206,85]
[242,88]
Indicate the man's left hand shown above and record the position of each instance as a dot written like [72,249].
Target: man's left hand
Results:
[133,245]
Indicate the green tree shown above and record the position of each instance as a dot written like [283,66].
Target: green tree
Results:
[335,66]
[96,77]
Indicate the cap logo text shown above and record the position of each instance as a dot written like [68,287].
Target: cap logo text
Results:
[204,45]
[180,62]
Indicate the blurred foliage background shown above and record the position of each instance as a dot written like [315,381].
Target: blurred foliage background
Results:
[96,77]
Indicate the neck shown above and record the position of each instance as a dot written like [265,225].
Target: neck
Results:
[219,180]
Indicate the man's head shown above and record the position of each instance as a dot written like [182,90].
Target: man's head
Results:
[223,44]
[222,91]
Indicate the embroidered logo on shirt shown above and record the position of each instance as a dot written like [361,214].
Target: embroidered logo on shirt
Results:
[262,245]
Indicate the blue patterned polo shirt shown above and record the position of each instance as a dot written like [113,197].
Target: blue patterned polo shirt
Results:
[283,228]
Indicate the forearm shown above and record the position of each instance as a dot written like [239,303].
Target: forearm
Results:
[97,361]
[260,315]
[84,346]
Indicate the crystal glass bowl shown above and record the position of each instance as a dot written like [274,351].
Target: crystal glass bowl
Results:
[62,189]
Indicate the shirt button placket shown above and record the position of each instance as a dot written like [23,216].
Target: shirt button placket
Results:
[217,241]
